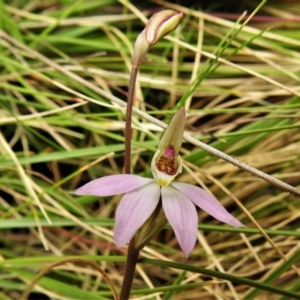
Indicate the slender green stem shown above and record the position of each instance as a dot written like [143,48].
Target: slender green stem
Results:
[132,257]
[127,164]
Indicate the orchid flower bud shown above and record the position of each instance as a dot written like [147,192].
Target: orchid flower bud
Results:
[166,163]
[159,25]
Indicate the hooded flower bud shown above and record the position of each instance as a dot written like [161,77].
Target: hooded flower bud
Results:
[159,25]
[166,163]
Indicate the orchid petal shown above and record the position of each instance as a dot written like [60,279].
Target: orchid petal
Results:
[207,203]
[132,212]
[182,215]
[112,185]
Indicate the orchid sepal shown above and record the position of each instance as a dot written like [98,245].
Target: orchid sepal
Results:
[174,132]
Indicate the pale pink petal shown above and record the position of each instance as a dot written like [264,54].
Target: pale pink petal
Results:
[132,212]
[112,185]
[182,215]
[207,202]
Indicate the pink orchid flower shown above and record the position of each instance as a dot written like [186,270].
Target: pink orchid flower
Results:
[142,195]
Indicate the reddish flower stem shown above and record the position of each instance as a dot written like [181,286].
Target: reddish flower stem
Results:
[130,98]
[132,253]
[132,257]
